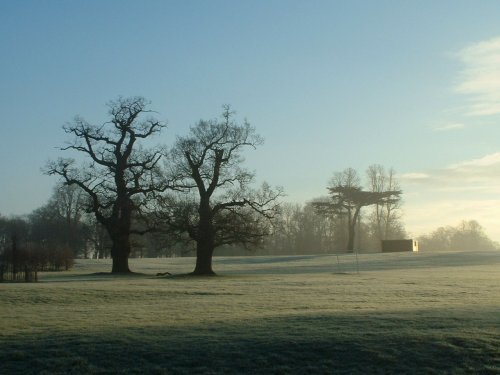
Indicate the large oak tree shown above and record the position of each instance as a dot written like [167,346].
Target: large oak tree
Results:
[218,205]
[120,176]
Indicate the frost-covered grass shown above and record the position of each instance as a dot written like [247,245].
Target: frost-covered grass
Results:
[403,313]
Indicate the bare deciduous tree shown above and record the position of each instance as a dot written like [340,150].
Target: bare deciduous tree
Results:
[61,220]
[218,206]
[121,176]
[386,215]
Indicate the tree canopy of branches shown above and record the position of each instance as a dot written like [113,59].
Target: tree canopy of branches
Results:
[60,221]
[33,243]
[385,219]
[120,176]
[217,205]
[300,230]
[347,198]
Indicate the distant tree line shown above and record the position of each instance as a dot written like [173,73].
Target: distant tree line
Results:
[64,223]
[24,248]
[466,236]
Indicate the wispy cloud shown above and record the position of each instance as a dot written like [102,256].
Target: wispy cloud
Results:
[448,127]
[484,171]
[415,176]
[466,190]
[480,77]
[485,161]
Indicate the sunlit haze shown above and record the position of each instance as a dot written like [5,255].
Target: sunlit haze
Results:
[412,85]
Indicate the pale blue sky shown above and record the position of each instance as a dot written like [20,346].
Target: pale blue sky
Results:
[329,84]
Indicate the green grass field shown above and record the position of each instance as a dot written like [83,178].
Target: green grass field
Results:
[403,313]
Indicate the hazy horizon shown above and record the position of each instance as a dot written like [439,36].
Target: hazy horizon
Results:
[414,86]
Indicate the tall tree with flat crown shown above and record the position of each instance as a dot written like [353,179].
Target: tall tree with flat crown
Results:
[347,198]
[121,177]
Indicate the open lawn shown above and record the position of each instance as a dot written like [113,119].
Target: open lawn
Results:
[412,313]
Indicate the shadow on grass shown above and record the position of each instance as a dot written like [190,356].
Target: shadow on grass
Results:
[359,344]
[96,276]
[108,276]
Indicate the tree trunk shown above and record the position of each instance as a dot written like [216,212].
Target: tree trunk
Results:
[350,241]
[120,252]
[204,254]
[205,241]
[352,230]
